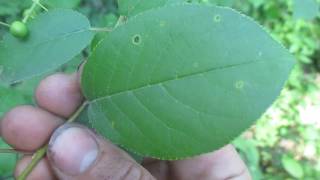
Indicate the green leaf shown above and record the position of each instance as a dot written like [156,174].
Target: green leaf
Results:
[172,2]
[55,38]
[62,3]
[250,154]
[133,7]
[7,161]
[305,9]
[183,80]
[292,166]
[12,7]
[221,2]
[108,21]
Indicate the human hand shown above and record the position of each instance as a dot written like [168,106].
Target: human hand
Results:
[76,152]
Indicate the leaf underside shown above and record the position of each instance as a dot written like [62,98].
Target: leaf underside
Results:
[55,38]
[183,80]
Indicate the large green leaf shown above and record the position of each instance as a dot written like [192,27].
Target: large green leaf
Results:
[55,38]
[221,2]
[182,80]
[133,7]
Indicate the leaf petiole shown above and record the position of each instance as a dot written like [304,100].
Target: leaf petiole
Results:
[5,24]
[35,160]
[121,20]
[30,11]
[98,29]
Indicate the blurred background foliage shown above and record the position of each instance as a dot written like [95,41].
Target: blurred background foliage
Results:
[284,144]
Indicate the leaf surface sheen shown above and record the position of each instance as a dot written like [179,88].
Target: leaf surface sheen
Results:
[183,80]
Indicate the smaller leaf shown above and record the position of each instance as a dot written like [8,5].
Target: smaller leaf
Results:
[292,166]
[55,38]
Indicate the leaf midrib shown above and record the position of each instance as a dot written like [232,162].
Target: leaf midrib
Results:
[176,78]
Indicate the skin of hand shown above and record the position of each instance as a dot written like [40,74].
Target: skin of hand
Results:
[76,152]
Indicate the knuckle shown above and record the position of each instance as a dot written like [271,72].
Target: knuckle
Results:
[121,169]
[240,175]
[135,172]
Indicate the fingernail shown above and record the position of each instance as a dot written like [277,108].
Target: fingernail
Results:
[73,149]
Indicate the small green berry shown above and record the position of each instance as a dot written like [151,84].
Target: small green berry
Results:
[19,29]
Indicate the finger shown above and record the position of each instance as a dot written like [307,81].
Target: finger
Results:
[75,152]
[59,94]
[40,172]
[222,164]
[28,128]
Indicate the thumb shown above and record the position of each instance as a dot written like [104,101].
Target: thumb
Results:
[75,152]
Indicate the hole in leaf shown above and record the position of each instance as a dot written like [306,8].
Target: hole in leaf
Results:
[217,18]
[136,39]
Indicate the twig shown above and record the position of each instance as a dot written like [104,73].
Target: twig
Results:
[78,112]
[35,160]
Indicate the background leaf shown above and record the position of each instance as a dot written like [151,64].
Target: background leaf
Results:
[292,166]
[13,6]
[11,98]
[182,80]
[250,154]
[55,38]
[62,3]
[7,161]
